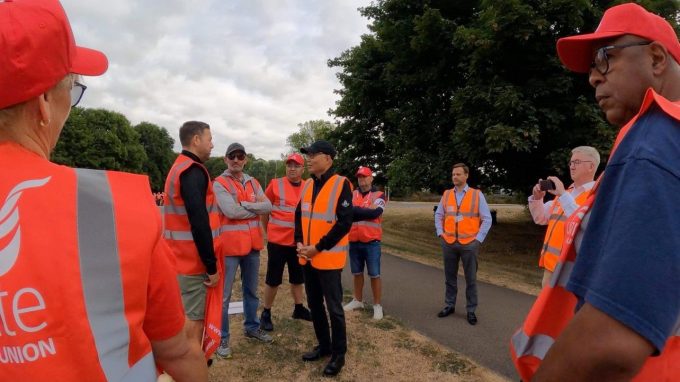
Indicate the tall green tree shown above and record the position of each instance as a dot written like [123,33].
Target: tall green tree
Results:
[100,139]
[440,82]
[157,145]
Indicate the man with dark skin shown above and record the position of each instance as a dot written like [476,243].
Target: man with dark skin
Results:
[628,247]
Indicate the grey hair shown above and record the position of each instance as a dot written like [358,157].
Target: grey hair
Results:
[589,151]
[8,114]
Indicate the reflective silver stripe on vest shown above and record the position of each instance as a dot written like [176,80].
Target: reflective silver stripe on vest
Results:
[368,224]
[102,280]
[329,216]
[537,345]
[475,196]
[185,235]
[561,275]
[558,217]
[254,223]
[281,223]
[339,248]
[173,176]
[234,228]
[181,210]
[548,249]
[282,195]
[283,208]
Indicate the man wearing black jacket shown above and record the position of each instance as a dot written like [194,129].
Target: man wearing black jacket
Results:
[196,262]
[322,245]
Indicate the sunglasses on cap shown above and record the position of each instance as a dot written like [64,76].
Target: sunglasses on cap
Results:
[240,156]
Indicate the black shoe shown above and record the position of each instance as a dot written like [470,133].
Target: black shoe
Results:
[446,311]
[315,354]
[472,318]
[334,365]
[266,320]
[302,313]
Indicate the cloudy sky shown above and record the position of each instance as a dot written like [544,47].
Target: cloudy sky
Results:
[252,69]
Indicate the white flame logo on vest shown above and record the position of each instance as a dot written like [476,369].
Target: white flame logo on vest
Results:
[9,220]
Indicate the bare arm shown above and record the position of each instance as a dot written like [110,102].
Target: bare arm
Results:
[594,347]
[182,360]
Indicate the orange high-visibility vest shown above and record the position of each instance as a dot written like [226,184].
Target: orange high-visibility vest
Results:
[554,235]
[461,223]
[241,236]
[317,220]
[75,260]
[554,307]
[281,225]
[177,227]
[367,230]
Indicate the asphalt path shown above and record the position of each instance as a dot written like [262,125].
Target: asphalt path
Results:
[414,293]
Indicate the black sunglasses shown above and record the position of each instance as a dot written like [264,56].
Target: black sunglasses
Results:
[240,156]
[601,59]
[77,92]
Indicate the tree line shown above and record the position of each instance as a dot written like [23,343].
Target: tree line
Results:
[434,82]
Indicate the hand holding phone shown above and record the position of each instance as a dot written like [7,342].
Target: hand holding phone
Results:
[546,185]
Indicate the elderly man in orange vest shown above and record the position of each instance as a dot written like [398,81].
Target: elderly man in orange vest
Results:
[364,240]
[241,202]
[582,167]
[462,221]
[284,194]
[612,309]
[323,219]
[87,288]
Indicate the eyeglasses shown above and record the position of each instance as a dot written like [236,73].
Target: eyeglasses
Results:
[77,92]
[578,162]
[293,165]
[601,60]
[240,156]
[312,155]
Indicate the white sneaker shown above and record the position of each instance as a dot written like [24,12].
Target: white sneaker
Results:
[354,304]
[377,312]
[223,351]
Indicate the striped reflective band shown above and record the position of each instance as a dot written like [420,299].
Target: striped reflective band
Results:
[548,249]
[283,208]
[465,236]
[561,275]
[234,228]
[475,195]
[173,175]
[282,195]
[254,223]
[181,210]
[537,345]
[368,224]
[558,217]
[102,280]
[185,235]
[339,248]
[281,223]
[466,214]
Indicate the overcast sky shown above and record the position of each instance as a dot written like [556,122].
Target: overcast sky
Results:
[252,69]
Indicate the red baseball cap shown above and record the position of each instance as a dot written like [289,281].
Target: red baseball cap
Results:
[364,171]
[576,52]
[39,50]
[295,157]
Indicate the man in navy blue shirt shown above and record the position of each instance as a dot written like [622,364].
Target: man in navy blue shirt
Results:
[627,270]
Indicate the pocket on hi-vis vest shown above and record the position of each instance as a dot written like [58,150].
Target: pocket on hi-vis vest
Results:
[449,224]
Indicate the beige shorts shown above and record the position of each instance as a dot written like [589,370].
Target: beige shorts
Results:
[193,295]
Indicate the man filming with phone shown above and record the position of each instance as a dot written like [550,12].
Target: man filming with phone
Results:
[582,167]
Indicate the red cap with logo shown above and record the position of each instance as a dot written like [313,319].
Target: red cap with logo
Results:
[364,171]
[295,157]
[39,50]
[576,52]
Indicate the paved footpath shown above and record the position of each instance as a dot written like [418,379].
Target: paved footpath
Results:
[414,293]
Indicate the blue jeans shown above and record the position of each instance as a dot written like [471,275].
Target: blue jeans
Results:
[364,253]
[250,266]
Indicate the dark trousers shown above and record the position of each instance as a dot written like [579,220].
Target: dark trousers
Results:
[468,254]
[320,285]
